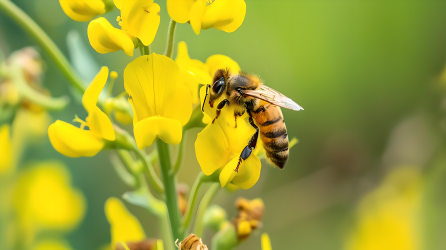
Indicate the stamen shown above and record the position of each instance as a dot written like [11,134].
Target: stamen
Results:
[118,18]
[79,120]
[113,76]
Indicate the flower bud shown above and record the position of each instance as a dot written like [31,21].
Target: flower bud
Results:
[214,217]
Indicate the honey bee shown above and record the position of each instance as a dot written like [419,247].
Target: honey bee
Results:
[248,94]
[191,242]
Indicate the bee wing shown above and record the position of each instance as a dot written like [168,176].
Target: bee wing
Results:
[272,96]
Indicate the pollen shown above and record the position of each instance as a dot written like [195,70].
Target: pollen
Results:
[118,18]
[120,23]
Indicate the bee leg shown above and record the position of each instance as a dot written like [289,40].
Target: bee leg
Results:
[235,117]
[221,105]
[249,148]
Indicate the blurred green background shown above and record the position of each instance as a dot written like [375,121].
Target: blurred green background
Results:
[367,73]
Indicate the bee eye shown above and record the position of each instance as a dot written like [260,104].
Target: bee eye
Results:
[219,86]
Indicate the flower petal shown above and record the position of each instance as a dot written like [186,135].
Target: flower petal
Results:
[238,137]
[179,9]
[155,85]
[266,243]
[196,14]
[105,38]
[217,62]
[196,68]
[178,104]
[91,94]
[124,226]
[72,141]
[211,149]
[168,130]
[119,4]
[248,173]
[100,124]
[141,19]
[82,10]
[6,149]
[228,173]
[226,15]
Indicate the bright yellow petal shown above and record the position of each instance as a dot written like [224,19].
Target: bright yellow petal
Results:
[179,9]
[266,243]
[217,62]
[105,38]
[155,85]
[226,15]
[141,19]
[183,57]
[178,104]
[196,14]
[91,94]
[72,141]
[168,130]
[248,173]
[82,10]
[124,226]
[5,149]
[228,173]
[211,149]
[119,4]
[192,84]
[100,124]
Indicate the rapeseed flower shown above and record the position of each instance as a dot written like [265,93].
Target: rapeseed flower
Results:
[139,19]
[196,72]
[226,15]
[72,141]
[219,145]
[124,226]
[162,104]
[83,10]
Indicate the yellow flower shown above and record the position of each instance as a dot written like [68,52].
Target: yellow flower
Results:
[82,10]
[196,72]
[388,216]
[162,104]
[139,19]
[266,243]
[226,15]
[72,141]
[123,225]
[105,38]
[44,198]
[5,149]
[220,144]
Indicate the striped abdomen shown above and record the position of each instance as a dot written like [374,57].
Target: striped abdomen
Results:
[273,132]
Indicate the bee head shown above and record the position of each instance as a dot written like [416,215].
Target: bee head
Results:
[218,86]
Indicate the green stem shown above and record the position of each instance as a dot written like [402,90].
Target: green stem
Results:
[30,94]
[149,171]
[146,50]
[177,166]
[141,49]
[191,202]
[207,198]
[25,22]
[170,189]
[170,38]
[127,163]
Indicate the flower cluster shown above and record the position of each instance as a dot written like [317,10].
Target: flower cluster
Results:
[140,19]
